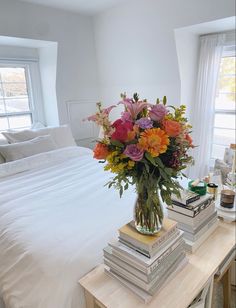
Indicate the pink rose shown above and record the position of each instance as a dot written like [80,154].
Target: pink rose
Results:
[121,130]
[133,152]
[157,112]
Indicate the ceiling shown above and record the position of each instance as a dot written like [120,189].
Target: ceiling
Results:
[89,7]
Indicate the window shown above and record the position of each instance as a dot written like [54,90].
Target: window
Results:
[20,102]
[224,123]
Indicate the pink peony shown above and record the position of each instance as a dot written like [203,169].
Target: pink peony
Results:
[157,112]
[133,152]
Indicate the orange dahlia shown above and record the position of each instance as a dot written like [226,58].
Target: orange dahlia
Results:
[154,141]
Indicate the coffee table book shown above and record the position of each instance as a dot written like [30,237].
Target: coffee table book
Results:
[147,273]
[150,244]
[142,294]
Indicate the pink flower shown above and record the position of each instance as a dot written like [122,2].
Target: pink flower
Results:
[133,108]
[133,152]
[157,112]
[121,130]
[126,117]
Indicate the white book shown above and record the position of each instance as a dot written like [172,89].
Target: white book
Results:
[193,222]
[194,204]
[143,263]
[195,237]
[165,262]
[143,295]
[154,251]
[193,246]
[189,229]
[152,285]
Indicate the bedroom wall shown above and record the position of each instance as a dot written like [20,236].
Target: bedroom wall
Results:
[76,62]
[135,44]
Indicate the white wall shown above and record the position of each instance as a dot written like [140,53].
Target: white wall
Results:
[76,62]
[135,44]
[48,72]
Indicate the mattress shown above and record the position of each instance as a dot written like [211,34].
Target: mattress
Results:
[56,216]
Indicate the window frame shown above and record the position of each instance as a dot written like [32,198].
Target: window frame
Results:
[229,51]
[34,90]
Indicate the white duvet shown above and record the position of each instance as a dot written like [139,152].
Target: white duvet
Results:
[55,218]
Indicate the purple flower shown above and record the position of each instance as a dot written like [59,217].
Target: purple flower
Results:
[133,152]
[157,112]
[144,123]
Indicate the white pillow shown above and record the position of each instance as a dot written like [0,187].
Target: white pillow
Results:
[61,135]
[24,149]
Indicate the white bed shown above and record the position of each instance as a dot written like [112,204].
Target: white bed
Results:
[55,218]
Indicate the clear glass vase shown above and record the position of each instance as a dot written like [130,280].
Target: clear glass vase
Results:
[148,212]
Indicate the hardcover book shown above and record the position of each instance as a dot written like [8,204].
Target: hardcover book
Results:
[146,297]
[193,246]
[143,263]
[193,222]
[147,243]
[187,197]
[163,263]
[201,201]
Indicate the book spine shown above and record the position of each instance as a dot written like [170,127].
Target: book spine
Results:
[163,238]
[166,254]
[150,253]
[192,199]
[200,205]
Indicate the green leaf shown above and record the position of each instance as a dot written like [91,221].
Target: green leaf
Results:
[150,158]
[117,143]
[159,162]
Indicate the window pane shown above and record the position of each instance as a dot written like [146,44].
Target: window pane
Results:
[12,74]
[227,65]
[20,121]
[1,91]
[218,151]
[2,109]
[225,101]
[14,89]
[227,84]
[17,104]
[224,136]
[225,120]
[3,123]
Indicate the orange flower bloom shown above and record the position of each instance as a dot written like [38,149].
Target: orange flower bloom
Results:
[154,141]
[172,128]
[189,139]
[100,151]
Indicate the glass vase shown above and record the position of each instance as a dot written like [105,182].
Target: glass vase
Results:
[148,212]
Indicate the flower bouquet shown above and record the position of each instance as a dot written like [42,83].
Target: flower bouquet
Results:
[146,147]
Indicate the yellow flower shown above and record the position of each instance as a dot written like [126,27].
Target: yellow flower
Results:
[117,163]
[154,141]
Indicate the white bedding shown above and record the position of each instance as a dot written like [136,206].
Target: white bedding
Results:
[55,218]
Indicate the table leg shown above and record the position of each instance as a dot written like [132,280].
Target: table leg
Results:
[90,303]
[226,280]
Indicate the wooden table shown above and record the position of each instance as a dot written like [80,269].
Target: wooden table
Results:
[103,291]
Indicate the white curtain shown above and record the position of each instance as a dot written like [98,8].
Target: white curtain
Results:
[211,48]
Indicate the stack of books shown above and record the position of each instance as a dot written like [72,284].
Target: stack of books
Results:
[145,263]
[196,216]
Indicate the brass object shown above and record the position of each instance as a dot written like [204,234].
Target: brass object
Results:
[212,189]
